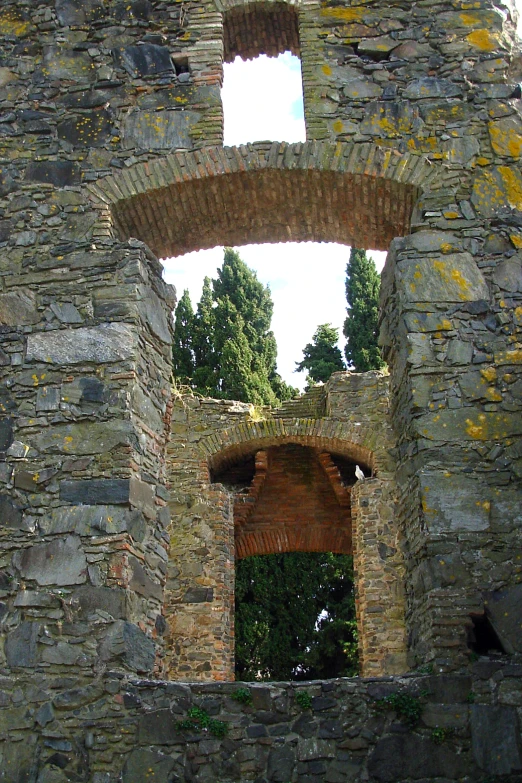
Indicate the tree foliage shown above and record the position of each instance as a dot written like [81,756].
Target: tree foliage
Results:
[231,346]
[361,324]
[182,349]
[321,357]
[295,617]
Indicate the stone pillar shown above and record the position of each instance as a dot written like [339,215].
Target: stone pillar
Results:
[86,399]
[199,599]
[379,579]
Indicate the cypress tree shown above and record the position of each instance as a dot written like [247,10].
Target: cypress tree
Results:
[280,637]
[182,347]
[234,348]
[361,324]
[321,357]
[205,359]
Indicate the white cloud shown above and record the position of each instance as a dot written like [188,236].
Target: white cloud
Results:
[262,99]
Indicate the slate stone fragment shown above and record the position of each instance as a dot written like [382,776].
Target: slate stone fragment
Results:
[44,715]
[97,344]
[59,562]
[144,59]
[109,599]
[48,398]
[73,13]
[21,646]
[87,520]
[18,308]
[147,764]
[158,728]
[92,492]
[198,595]
[86,130]
[142,583]
[430,87]
[160,130]
[504,610]
[10,513]
[280,765]
[63,654]
[87,99]
[92,390]
[130,644]
[66,313]
[6,433]
[6,227]
[403,756]
[496,739]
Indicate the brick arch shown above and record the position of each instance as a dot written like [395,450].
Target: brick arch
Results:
[330,531]
[352,440]
[356,194]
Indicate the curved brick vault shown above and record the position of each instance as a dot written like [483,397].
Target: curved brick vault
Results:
[311,509]
[297,502]
[356,194]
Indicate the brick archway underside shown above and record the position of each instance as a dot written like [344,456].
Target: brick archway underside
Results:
[297,502]
[356,194]
[254,533]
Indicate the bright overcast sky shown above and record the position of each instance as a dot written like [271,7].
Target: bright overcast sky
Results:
[263,100]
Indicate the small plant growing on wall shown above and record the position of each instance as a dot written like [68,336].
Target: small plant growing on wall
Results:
[304,700]
[199,720]
[408,708]
[440,735]
[243,696]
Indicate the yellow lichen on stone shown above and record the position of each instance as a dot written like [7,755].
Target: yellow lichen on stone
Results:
[13,25]
[476,430]
[483,40]
[509,357]
[344,14]
[505,140]
[489,374]
[516,240]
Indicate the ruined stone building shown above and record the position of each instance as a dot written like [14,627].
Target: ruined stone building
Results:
[118,526]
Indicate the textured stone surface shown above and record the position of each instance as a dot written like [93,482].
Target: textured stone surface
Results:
[454,278]
[18,307]
[111,131]
[454,502]
[125,641]
[59,562]
[21,645]
[496,739]
[161,130]
[99,344]
[504,609]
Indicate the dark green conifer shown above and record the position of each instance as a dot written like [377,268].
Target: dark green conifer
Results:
[182,347]
[361,324]
[321,357]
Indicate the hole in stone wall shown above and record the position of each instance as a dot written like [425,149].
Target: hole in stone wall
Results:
[482,638]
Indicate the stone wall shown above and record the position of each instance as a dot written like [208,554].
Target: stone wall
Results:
[122,728]
[110,154]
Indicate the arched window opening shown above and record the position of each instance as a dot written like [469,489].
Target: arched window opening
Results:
[294,597]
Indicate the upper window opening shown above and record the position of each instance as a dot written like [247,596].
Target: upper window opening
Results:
[262,84]
[263,99]
[257,28]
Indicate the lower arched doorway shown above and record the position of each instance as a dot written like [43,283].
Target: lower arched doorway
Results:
[246,487]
